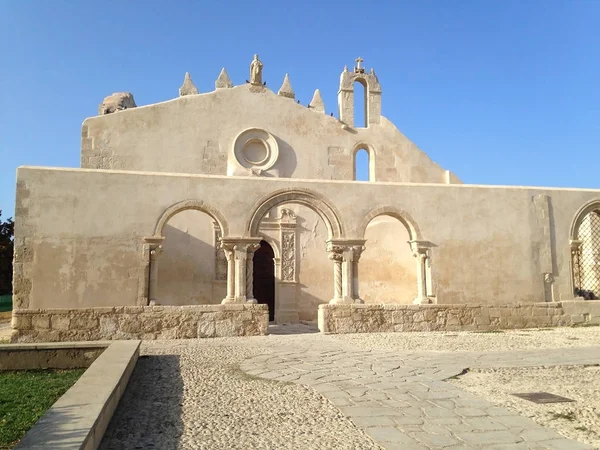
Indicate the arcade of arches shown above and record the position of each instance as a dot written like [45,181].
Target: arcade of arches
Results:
[293,265]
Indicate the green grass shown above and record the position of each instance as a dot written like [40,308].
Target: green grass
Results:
[25,396]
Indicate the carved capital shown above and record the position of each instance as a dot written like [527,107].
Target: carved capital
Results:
[252,247]
[336,252]
[420,249]
[357,251]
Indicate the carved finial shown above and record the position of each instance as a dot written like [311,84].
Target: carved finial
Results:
[256,67]
[223,81]
[188,87]
[317,103]
[286,88]
[358,68]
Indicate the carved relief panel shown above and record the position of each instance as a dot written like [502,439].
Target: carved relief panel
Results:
[288,255]
[220,259]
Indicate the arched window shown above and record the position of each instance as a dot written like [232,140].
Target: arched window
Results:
[360,104]
[586,257]
[362,165]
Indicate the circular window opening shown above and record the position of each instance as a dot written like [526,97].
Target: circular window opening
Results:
[256,151]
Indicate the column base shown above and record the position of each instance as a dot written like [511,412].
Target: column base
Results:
[228,300]
[341,300]
[422,301]
[358,301]
[251,300]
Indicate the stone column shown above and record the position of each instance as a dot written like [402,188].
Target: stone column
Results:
[356,253]
[420,252]
[576,266]
[336,255]
[154,246]
[250,272]
[228,250]
[240,253]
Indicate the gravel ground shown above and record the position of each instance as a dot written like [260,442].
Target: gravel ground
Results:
[578,420]
[475,342]
[191,395]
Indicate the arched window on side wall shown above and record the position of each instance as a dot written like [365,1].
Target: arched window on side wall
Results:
[586,257]
[360,104]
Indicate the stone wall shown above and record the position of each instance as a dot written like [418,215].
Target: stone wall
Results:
[139,322]
[85,262]
[357,318]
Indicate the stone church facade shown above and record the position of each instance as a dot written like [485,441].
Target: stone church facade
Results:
[214,213]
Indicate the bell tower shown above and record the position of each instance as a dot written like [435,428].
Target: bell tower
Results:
[372,95]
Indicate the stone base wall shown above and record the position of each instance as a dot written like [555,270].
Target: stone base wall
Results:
[139,322]
[354,318]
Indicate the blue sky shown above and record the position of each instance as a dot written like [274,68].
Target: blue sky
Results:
[500,92]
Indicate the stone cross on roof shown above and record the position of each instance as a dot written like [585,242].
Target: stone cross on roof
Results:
[359,68]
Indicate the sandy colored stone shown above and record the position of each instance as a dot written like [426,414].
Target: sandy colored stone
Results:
[116,102]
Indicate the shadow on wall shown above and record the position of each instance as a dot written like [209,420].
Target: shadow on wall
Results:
[286,163]
[186,266]
[149,413]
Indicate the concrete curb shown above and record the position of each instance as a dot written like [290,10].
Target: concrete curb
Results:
[79,418]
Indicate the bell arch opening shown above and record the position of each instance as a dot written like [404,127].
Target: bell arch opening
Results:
[360,104]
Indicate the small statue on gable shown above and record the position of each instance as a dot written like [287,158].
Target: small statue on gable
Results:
[256,71]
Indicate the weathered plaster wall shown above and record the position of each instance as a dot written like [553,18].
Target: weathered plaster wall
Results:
[186,265]
[138,322]
[387,266]
[396,318]
[79,233]
[196,133]
[315,272]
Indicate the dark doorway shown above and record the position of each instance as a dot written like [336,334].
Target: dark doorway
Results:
[264,277]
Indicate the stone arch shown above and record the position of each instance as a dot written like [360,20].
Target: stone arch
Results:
[585,251]
[404,217]
[580,215]
[370,152]
[197,205]
[312,200]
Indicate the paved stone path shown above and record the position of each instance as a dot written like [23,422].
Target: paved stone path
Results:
[402,401]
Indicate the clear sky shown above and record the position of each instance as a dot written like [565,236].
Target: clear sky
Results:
[500,92]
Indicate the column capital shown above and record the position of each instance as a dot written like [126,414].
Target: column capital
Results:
[575,244]
[154,241]
[154,244]
[420,247]
[240,244]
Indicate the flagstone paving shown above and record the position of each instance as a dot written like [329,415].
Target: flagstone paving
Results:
[402,400]
[299,389]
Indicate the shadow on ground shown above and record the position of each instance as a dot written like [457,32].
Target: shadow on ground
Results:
[149,413]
